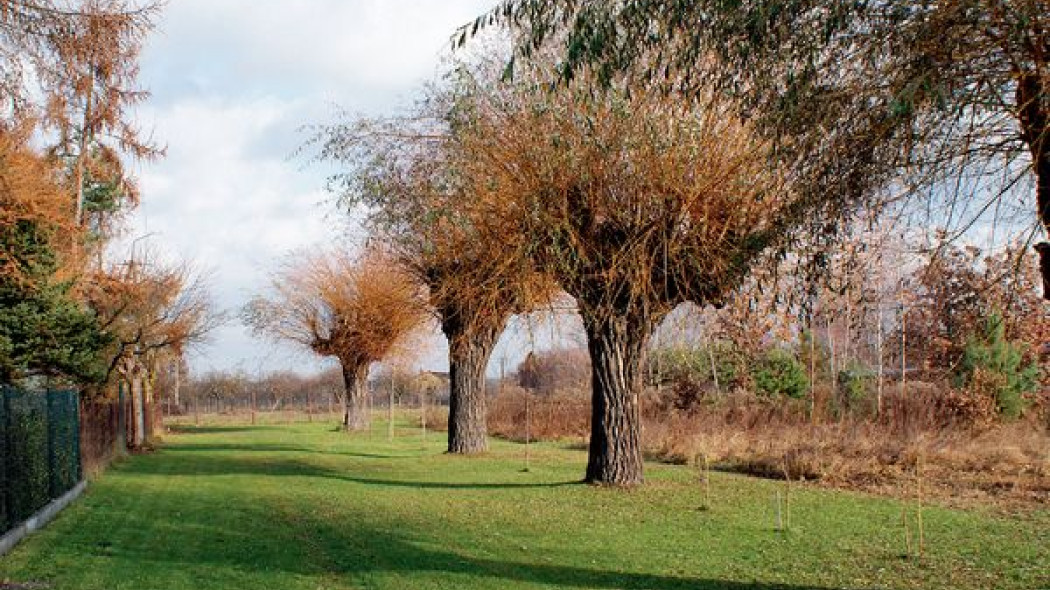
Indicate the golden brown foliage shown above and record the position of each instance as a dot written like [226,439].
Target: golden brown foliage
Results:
[148,306]
[420,206]
[359,311]
[30,195]
[72,67]
[640,201]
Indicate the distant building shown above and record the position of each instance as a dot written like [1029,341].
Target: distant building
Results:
[434,383]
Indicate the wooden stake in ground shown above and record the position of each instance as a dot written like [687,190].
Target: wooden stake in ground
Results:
[907,530]
[528,422]
[390,411]
[702,465]
[777,505]
[919,472]
[423,413]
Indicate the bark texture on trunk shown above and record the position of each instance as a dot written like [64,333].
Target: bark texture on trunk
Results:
[617,347]
[1043,248]
[355,411]
[469,353]
[138,409]
[1035,125]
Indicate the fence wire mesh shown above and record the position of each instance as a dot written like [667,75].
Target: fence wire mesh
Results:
[39,451]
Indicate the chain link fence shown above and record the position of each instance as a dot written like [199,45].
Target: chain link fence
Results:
[39,451]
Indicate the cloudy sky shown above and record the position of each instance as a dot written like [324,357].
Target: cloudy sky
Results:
[232,82]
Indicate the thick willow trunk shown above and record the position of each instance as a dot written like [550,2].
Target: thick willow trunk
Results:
[469,353]
[1035,126]
[355,411]
[617,349]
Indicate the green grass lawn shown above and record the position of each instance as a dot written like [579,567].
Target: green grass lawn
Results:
[303,506]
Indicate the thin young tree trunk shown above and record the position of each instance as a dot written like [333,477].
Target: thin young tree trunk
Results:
[355,416]
[83,146]
[153,425]
[139,412]
[617,349]
[812,371]
[831,353]
[423,414]
[878,346]
[469,353]
[178,386]
[711,358]
[904,358]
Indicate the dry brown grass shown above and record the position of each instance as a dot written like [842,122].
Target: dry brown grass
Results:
[965,460]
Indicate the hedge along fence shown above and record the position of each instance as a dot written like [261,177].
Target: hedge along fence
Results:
[39,451]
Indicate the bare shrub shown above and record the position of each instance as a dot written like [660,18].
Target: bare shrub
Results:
[967,453]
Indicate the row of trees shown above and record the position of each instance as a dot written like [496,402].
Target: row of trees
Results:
[69,316]
[499,196]
[638,156]
[227,391]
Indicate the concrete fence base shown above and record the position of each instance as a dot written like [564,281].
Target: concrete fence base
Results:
[40,519]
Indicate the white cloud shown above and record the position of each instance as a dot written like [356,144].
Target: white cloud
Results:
[232,83]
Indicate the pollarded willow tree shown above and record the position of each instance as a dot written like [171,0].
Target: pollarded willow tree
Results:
[357,311]
[145,306]
[633,204]
[403,170]
[949,101]
[148,308]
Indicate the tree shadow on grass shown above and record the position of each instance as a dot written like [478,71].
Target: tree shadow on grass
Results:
[399,554]
[443,485]
[359,548]
[190,429]
[262,448]
[238,527]
[190,447]
[370,455]
[197,461]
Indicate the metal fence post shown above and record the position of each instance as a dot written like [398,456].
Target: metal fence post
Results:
[75,402]
[50,422]
[5,490]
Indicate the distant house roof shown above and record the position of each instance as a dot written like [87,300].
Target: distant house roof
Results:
[432,379]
